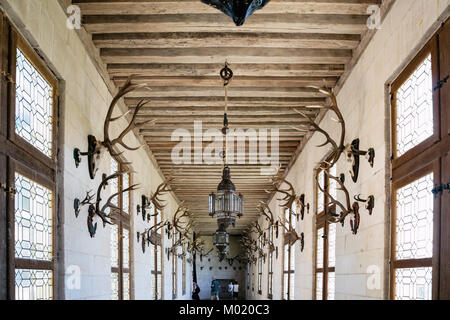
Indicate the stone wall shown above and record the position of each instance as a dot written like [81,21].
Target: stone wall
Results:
[86,99]
[362,101]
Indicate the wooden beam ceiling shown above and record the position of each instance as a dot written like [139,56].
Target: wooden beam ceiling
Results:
[178,48]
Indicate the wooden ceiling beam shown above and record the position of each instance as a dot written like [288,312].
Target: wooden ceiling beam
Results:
[162,7]
[212,69]
[267,23]
[240,55]
[224,40]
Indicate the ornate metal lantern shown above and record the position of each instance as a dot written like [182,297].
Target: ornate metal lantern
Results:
[221,240]
[226,204]
[238,10]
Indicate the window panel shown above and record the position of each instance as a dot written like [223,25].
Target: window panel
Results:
[126,195]
[126,248]
[34,106]
[126,286]
[414,220]
[285,286]
[114,183]
[33,220]
[331,285]
[331,245]
[413,284]
[319,285]
[33,284]
[415,108]
[319,255]
[114,286]
[114,246]
[320,195]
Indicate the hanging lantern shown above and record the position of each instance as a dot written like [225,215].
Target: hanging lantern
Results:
[226,205]
[238,10]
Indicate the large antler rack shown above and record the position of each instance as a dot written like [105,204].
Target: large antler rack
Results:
[95,208]
[288,195]
[154,199]
[291,236]
[96,147]
[180,217]
[345,208]
[265,211]
[337,147]
[151,235]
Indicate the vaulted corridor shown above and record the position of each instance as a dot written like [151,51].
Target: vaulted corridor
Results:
[263,150]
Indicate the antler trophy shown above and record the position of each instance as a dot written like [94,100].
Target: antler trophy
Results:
[94,207]
[289,197]
[95,147]
[337,149]
[155,199]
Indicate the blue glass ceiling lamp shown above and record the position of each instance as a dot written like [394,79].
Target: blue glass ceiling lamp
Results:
[238,10]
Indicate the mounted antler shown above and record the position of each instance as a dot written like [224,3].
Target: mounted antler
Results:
[337,147]
[290,235]
[163,188]
[77,204]
[179,217]
[288,195]
[95,147]
[109,143]
[265,211]
[346,208]
[94,207]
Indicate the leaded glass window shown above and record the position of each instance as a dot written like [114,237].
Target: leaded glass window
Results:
[33,220]
[414,220]
[34,106]
[33,284]
[414,240]
[120,236]
[413,284]
[414,108]
[325,238]
[289,260]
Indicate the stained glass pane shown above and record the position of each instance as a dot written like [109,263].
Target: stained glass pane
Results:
[126,286]
[319,255]
[114,246]
[331,285]
[331,245]
[413,284]
[319,289]
[126,248]
[414,223]
[126,195]
[415,108]
[34,106]
[320,195]
[114,286]
[33,220]
[34,284]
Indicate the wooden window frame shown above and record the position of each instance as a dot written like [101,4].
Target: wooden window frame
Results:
[123,221]
[430,156]
[155,272]
[174,268]
[322,223]
[183,271]
[270,267]
[291,252]
[260,266]
[19,156]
